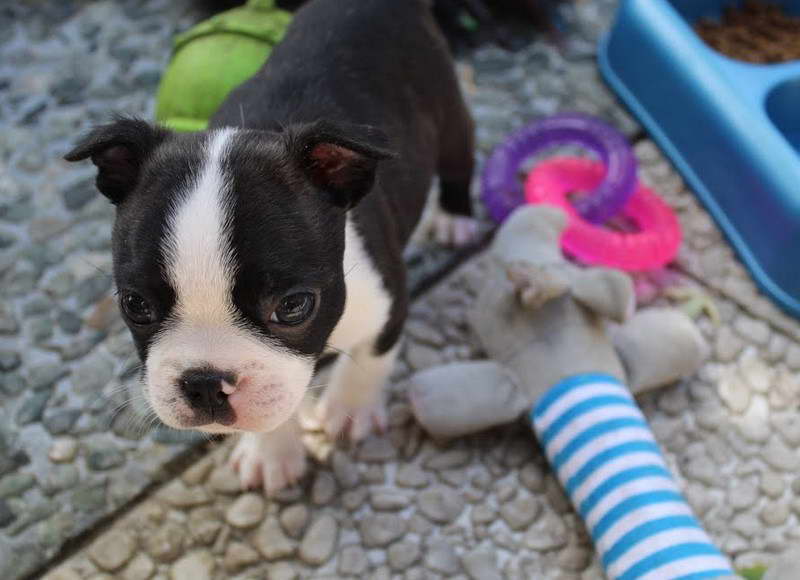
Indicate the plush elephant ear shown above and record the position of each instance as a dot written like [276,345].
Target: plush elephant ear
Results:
[536,285]
[605,291]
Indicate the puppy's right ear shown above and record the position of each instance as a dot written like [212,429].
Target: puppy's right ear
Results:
[119,150]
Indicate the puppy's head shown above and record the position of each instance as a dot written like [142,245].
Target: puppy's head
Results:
[228,249]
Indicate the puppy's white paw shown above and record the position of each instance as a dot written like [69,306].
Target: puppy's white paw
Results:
[351,421]
[454,230]
[274,460]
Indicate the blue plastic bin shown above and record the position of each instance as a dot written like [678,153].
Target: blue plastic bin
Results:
[731,128]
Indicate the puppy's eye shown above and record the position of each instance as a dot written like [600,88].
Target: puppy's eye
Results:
[294,309]
[137,309]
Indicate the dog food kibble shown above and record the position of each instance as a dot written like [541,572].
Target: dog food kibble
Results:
[758,32]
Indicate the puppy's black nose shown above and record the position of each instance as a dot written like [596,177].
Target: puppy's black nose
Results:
[203,389]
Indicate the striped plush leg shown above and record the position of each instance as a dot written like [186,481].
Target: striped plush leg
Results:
[606,457]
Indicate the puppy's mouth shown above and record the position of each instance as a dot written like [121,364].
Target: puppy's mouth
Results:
[231,406]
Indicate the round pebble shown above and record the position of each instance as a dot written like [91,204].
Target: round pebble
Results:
[197,565]
[319,541]
[246,511]
[63,450]
[113,550]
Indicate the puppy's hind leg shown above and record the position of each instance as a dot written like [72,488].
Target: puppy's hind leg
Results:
[454,224]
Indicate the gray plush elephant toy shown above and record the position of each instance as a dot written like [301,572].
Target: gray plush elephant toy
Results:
[544,322]
[540,319]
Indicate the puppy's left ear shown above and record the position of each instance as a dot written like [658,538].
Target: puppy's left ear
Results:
[119,150]
[340,159]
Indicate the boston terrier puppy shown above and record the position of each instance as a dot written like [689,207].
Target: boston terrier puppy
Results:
[244,253]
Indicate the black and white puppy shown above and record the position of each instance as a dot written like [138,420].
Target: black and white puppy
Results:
[244,253]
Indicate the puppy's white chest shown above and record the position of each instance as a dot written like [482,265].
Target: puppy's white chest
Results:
[368,303]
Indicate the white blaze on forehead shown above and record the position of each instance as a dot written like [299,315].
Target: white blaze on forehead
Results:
[200,261]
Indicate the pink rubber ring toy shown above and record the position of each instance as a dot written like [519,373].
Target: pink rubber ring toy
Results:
[653,246]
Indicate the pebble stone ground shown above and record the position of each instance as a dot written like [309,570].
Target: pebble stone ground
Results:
[397,507]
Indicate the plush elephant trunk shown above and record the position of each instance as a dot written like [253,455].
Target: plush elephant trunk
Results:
[485,395]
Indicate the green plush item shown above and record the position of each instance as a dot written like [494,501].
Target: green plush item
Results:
[754,573]
[213,58]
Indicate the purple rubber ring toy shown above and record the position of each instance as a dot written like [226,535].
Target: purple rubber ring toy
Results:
[502,190]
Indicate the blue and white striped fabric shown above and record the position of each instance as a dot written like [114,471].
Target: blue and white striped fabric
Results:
[606,457]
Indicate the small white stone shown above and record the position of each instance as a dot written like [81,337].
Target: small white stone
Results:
[140,568]
[697,496]
[746,524]
[777,347]
[772,484]
[282,571]
[753,329]
[674,401]
[239,555]
[224,480]
[520,513]
[788,425]
[793,356]
[271,541]
[481,564]
[246,511]
[324,488]
[294,519]
[112,550]
[410,475]
[440,504]
[194,566]
[754,425]
[63,450]
[345,470]
[319,541]
[352,561]
[389,499]
[378,530]
[755,371]
[574,558]
[775,513]
[785,567]
[198,472]
[354,498]
[727,344]
[481,478]
[448,459]
[785,392]
[402,555]
[531,477]
[742,494]
[781,457]
[709,416]
[177,494]
[483,514]
[548,533]
[702,469]
[442,558]
[734,392]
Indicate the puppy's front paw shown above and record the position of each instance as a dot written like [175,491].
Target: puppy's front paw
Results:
[274,460]
[454,230]
[351,421]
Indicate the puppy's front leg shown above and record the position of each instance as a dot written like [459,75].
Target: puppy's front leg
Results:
[276,459]
[353,403]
